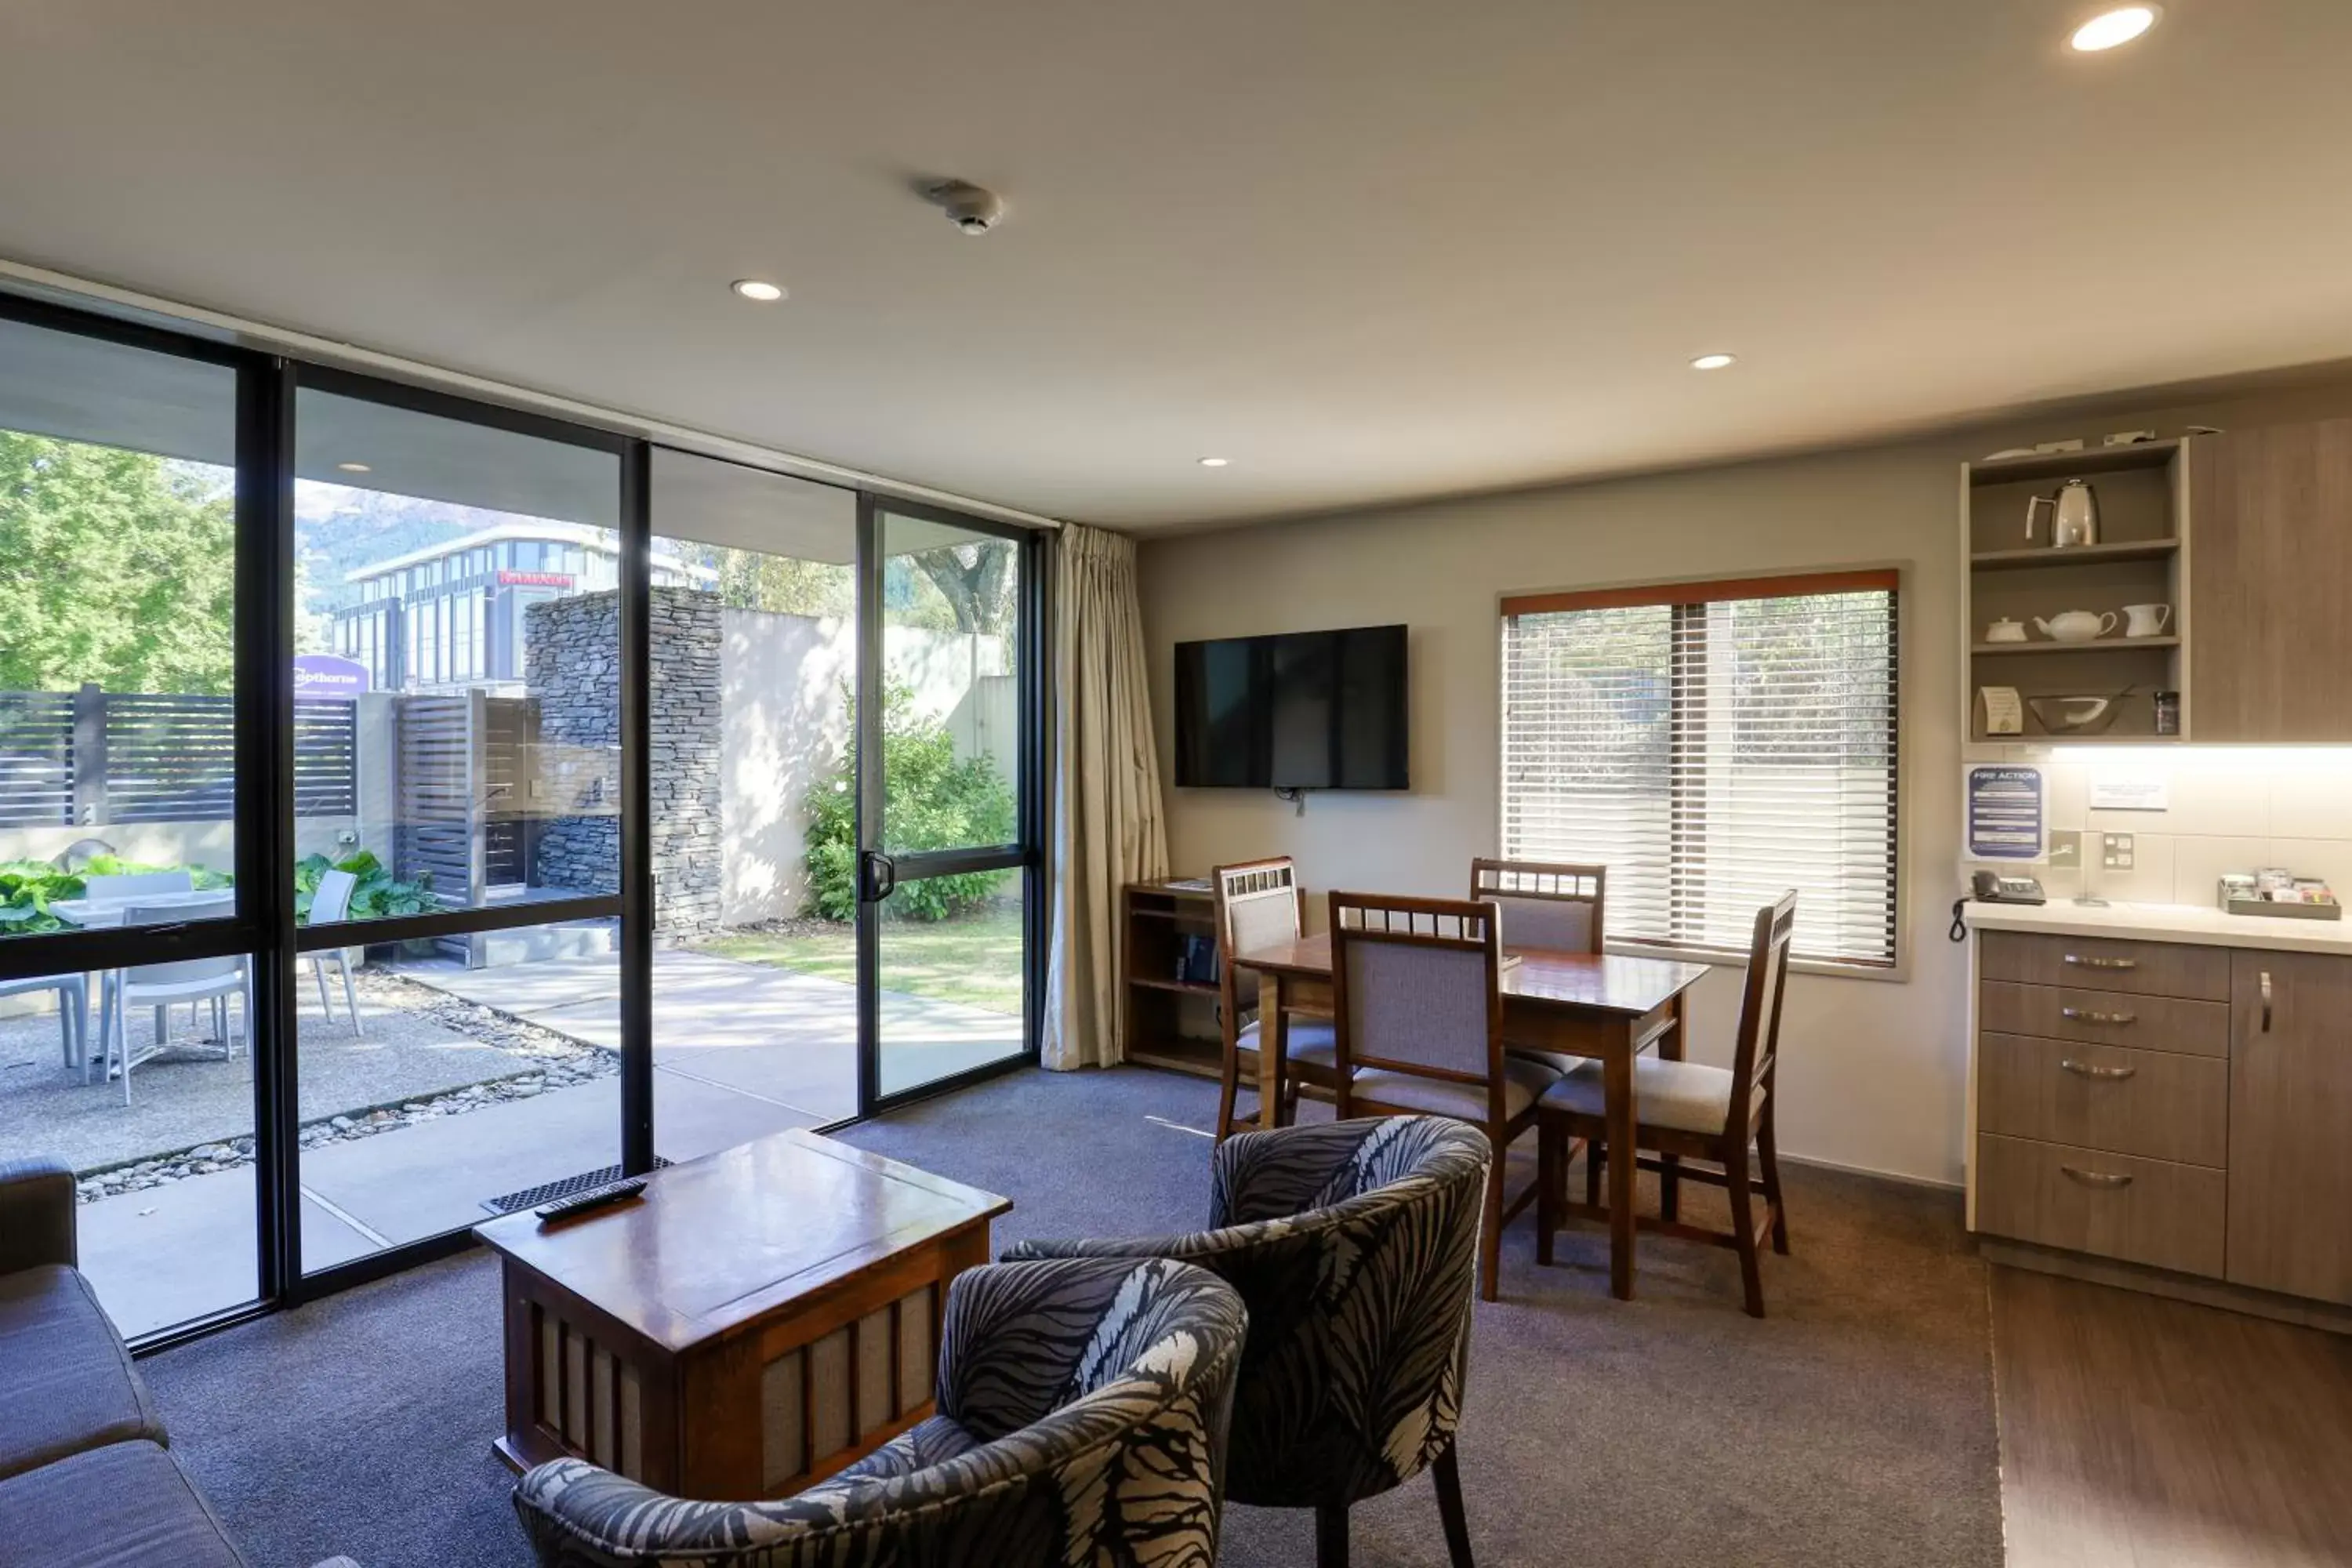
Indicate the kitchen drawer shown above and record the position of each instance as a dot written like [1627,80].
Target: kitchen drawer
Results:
[2111,1205]
[2107,1018]
[2109,1098]
[2104,963]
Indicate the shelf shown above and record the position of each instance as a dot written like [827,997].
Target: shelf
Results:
[2109,739]
[2074,555]
[2098,645]
[1202,917]
[2065,465]
[1188,987]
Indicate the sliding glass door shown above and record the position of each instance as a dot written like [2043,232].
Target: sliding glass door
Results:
[950,831]
[412,807]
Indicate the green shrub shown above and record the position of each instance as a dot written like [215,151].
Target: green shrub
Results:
[27,888]
[930,801]
[377,897]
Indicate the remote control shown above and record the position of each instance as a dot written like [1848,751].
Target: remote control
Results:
[594,1198]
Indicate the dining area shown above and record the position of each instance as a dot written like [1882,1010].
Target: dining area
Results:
[1504,1009]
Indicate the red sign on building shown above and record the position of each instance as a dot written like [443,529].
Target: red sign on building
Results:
[534,579]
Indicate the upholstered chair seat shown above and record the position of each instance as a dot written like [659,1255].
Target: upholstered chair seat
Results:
[1083,1408]
[1525,1079]
[1310,1042]
[1689,1097]
[1355,1245]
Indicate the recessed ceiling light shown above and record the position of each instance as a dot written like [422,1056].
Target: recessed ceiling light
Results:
[759,289]
[1714,361]
[1214,462]
[355,467]
[2108,28]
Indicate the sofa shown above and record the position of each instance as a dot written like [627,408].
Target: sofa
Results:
[87,1479]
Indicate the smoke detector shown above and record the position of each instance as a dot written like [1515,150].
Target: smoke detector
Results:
[972,208]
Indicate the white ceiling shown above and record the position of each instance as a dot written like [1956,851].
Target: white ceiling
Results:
[1367,249]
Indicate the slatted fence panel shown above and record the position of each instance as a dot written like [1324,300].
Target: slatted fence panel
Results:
[326,757]
[169,758]
[36,759]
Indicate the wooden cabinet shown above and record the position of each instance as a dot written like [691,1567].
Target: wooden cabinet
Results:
[2270,578]
[2290,1221]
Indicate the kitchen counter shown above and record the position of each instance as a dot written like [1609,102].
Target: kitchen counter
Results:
[2198,924]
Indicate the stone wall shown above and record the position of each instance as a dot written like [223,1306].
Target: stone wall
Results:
[572,667]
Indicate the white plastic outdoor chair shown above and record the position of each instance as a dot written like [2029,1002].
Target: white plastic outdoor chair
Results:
[160,986]
[73,1011]
[124,885]
[331,905]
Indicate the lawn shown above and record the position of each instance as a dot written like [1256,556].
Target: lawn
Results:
[973,958]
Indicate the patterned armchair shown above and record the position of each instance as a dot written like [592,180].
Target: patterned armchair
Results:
[1355,1245]
[1082,1414]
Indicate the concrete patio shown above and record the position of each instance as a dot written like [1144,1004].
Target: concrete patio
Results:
[741,1050]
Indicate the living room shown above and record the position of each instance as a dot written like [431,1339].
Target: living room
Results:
[916,657]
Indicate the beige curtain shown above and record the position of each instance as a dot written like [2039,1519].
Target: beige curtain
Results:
[1107,828]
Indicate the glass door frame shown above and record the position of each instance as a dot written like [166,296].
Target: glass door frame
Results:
[264,928]
[879,872]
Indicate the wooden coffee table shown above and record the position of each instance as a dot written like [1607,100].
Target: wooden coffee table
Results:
[758,1319]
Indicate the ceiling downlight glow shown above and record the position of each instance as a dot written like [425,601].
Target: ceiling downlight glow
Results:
[1715,362]
[759,289]
[2109,29]
[1214,462]
[355,467]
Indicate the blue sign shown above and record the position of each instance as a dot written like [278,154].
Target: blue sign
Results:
[2005,814]
[328,676]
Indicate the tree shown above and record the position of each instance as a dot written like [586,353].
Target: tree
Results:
[116,567]
[975,579]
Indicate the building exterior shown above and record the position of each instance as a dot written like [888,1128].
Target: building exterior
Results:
[454,615]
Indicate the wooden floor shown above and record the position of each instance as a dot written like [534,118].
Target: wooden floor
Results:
[2145,1433]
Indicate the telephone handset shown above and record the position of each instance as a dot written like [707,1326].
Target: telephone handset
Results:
[1992,887]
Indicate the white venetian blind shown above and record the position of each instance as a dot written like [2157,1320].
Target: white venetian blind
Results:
[1713,744]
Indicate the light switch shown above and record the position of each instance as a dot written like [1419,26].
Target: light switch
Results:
[2116,851]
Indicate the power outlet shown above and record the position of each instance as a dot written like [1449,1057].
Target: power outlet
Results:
[2115,851]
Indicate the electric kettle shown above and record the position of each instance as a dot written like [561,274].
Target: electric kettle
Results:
[2074,515]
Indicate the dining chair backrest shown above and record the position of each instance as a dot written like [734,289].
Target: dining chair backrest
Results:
[122,885]
[180,970]
[1416,985]
[331,902]
[1757,1050]
[1258,905]
[1556,907]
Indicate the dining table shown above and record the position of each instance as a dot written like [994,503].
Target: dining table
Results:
[1606,1007]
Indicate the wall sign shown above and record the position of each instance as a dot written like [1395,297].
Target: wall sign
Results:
[2130,794]
[2006,819]
[510,579]
[328,675]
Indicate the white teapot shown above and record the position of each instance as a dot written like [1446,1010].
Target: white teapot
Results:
[2076,625]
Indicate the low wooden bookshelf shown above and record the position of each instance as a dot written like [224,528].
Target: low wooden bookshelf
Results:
[1167,1020]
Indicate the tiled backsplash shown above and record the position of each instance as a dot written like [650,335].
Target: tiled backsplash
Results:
[2226,810]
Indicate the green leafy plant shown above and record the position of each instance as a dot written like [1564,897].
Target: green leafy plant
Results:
[27,888]
[930,801]
[378,896]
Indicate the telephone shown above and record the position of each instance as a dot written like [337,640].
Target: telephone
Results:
[1992,887]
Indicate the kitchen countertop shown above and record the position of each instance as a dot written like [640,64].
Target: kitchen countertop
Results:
[2195,924]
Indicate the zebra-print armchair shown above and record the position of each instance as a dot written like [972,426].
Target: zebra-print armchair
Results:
[1082,1413]
[1355,1246]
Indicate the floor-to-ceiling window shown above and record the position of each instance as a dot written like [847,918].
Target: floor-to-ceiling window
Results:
[409,804]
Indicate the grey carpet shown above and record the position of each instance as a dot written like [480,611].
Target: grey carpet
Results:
[1854,1426]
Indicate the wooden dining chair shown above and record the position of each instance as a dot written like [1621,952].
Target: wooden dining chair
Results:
[1259,904]
[1417,993]
[1687,1110]
[1556,906]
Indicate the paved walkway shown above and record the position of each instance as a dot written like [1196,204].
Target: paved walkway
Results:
[741,1050]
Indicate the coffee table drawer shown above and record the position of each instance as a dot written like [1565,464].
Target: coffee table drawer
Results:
[2106,1018]
[2154,1212]
[2144,968]
[2121,1101]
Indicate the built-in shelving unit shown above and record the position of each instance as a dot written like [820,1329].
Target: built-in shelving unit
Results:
[2141,558]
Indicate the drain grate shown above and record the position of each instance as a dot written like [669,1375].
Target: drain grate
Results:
[531,1197]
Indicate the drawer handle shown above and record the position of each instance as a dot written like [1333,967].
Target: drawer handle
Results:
[2092,960]
[2091,1016]
[2093,1069]
[2106,1181]
[2266,1001]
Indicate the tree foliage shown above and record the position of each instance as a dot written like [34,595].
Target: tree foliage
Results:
[930,801]
[116,567]
[975,579]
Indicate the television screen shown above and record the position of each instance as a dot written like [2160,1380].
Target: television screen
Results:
[1301,711]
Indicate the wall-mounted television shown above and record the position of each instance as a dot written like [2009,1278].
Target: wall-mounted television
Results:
[1298,710]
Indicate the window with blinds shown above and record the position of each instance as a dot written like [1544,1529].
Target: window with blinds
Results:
[1713,744]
